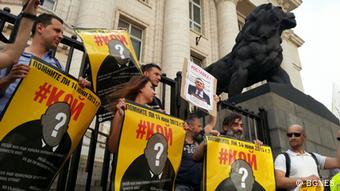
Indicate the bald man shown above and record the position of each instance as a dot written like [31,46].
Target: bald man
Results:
[304,167]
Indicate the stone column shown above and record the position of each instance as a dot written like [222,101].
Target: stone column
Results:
[227,23]
[176,36]
[96,14]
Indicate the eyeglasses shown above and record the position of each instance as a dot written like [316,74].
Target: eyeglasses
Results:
[295,134]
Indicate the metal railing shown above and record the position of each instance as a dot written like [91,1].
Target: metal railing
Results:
[67,179]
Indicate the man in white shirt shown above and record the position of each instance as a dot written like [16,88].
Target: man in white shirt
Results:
[303,165]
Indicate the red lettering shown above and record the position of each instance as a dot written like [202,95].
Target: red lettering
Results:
[252,161]
[159,129]
[232,156]
[54,96]
[242,155]
[168,135]
[105,39]
[121,38]
[75,108]
[150,130]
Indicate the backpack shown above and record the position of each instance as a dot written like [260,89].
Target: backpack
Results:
[285,154]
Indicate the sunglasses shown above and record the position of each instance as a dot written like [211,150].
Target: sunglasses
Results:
[295,134]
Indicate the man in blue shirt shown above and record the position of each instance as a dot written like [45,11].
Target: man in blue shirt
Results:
[47,32]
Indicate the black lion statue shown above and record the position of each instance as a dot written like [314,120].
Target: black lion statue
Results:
[257,54]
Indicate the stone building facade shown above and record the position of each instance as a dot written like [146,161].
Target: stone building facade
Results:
[167,31]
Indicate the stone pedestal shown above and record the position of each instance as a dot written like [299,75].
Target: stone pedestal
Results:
[285,106]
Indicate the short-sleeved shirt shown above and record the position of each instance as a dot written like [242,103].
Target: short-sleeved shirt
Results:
[301,165]
[24,59]
[190,171]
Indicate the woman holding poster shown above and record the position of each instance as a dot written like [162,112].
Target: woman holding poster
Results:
[139,90]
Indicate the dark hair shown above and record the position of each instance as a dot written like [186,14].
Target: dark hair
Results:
[45,19]
[229,120]
[147,67]
[127,90]
[191,117]
[200,79]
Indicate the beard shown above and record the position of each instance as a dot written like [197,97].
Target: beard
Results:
[237,135]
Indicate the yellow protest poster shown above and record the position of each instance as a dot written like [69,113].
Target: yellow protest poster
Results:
[311,188]
[112,62]
[42,125]
[231,164]
[150,150]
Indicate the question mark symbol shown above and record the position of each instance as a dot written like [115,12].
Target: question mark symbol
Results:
[160,148]
[62,118]
[120,48]
[244,173]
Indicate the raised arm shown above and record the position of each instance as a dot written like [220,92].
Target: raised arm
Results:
[334,162]
[116,126]
[11,52]
[210,125]
[211,121]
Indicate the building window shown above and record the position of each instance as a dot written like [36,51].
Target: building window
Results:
[197,60]
[136,35]
[195,15]
[49,4]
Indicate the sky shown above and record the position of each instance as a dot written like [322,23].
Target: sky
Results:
[318,24]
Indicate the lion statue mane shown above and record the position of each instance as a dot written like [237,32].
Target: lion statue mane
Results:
[257,54]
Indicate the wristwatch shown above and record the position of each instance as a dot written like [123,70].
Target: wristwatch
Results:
[29,16]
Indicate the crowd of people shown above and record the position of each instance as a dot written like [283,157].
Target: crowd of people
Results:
[291,167]
[303,167]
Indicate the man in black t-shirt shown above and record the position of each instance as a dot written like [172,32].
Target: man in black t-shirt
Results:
[190,173]
[153,72]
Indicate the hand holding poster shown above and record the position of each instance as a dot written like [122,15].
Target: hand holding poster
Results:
[305,187]
[42,125]
[199,87]
[112,62]
[237,165]
[150,150]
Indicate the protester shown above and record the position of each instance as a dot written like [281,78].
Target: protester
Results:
[47,32]
[140,90]
[232,127]
[190,172]
[303,166]
[11,52]
[153,72]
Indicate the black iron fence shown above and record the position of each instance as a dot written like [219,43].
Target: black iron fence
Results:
[255,123]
